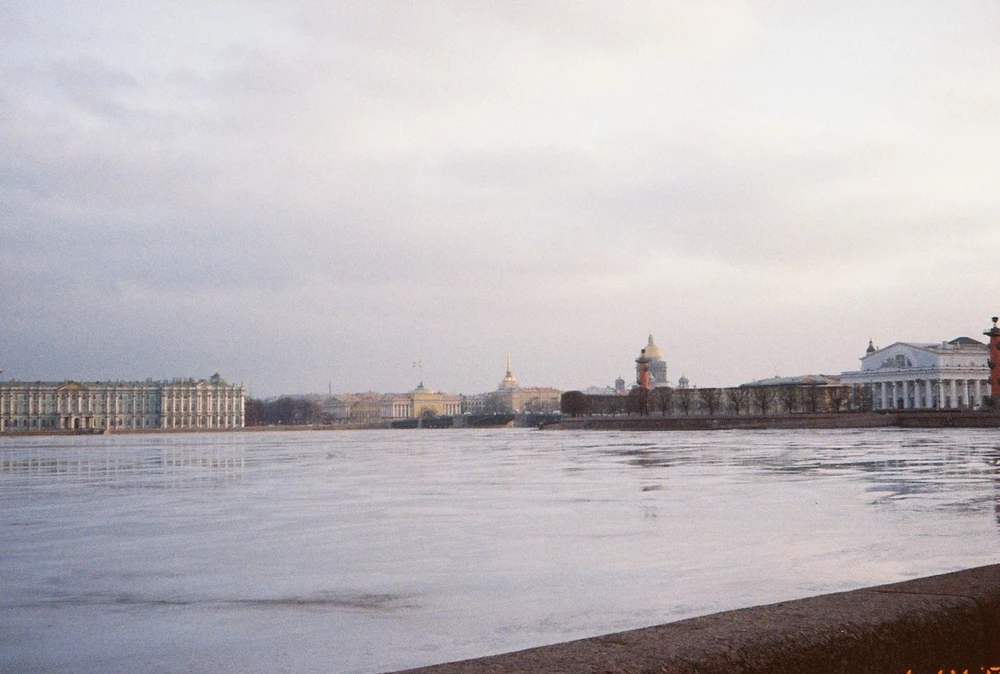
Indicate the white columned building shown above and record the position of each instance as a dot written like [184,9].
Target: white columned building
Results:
[110,406]
[905,375]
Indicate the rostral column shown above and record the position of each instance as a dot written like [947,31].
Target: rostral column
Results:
[994,359]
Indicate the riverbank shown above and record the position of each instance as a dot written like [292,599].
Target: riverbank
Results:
[473,421]
[902,419]
[949,622]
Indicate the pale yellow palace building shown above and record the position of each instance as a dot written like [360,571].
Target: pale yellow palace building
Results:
[420,402]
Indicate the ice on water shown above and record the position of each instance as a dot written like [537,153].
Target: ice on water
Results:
[372,551]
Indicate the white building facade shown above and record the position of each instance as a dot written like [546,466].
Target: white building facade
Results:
[183,404]
[909,376]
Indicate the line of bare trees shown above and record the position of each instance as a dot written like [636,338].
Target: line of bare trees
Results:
[283,411]
[740,400]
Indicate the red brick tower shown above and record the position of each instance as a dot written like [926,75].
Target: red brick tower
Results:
[993,359]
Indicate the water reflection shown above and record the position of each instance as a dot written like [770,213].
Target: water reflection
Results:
[892,466]
[163,466]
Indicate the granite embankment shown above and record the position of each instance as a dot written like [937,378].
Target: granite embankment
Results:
[903,419]
[946,623]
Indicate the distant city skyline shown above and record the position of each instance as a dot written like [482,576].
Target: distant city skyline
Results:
[307,197]
[510,381]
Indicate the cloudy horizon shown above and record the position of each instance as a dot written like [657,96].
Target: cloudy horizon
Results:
[304,195]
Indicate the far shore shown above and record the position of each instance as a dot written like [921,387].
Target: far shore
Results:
[829,420]
[912,419]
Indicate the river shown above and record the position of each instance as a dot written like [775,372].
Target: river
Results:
[370,551]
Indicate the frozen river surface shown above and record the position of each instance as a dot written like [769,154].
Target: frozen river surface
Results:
[371,551]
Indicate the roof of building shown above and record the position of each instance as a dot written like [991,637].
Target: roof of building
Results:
[957,344]
[966,341]
[801,380]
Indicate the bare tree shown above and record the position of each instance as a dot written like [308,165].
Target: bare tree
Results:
[685,400]
[574,403]
[837,396]
[739,399]
[284,411]
[639,401]
[711,399]
[863,397]
[763,397]
[253,412]
[813,398]
[663,398]
[602,404]
[789,396]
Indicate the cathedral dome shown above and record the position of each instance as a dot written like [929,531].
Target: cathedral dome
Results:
[652,351]
[650,366]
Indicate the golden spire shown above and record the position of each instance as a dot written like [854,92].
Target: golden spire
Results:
[508,381]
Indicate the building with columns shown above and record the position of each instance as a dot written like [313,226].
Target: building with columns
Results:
[910,376]
[420,402]
[183,404]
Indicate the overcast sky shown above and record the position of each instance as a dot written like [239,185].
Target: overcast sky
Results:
[303,194]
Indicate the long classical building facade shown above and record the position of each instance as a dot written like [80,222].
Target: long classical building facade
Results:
[903,375]
[109,406]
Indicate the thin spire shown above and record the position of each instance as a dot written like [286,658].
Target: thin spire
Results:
[508,381]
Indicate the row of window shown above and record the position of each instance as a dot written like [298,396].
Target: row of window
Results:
[96,404]
[36,423]
[147,422]
[18,407]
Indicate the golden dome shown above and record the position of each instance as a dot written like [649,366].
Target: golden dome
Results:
[652,351]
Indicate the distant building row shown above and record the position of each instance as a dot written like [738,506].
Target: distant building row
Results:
[909,375]
[962,373]
[916,376]
[107,406]
[509,397]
